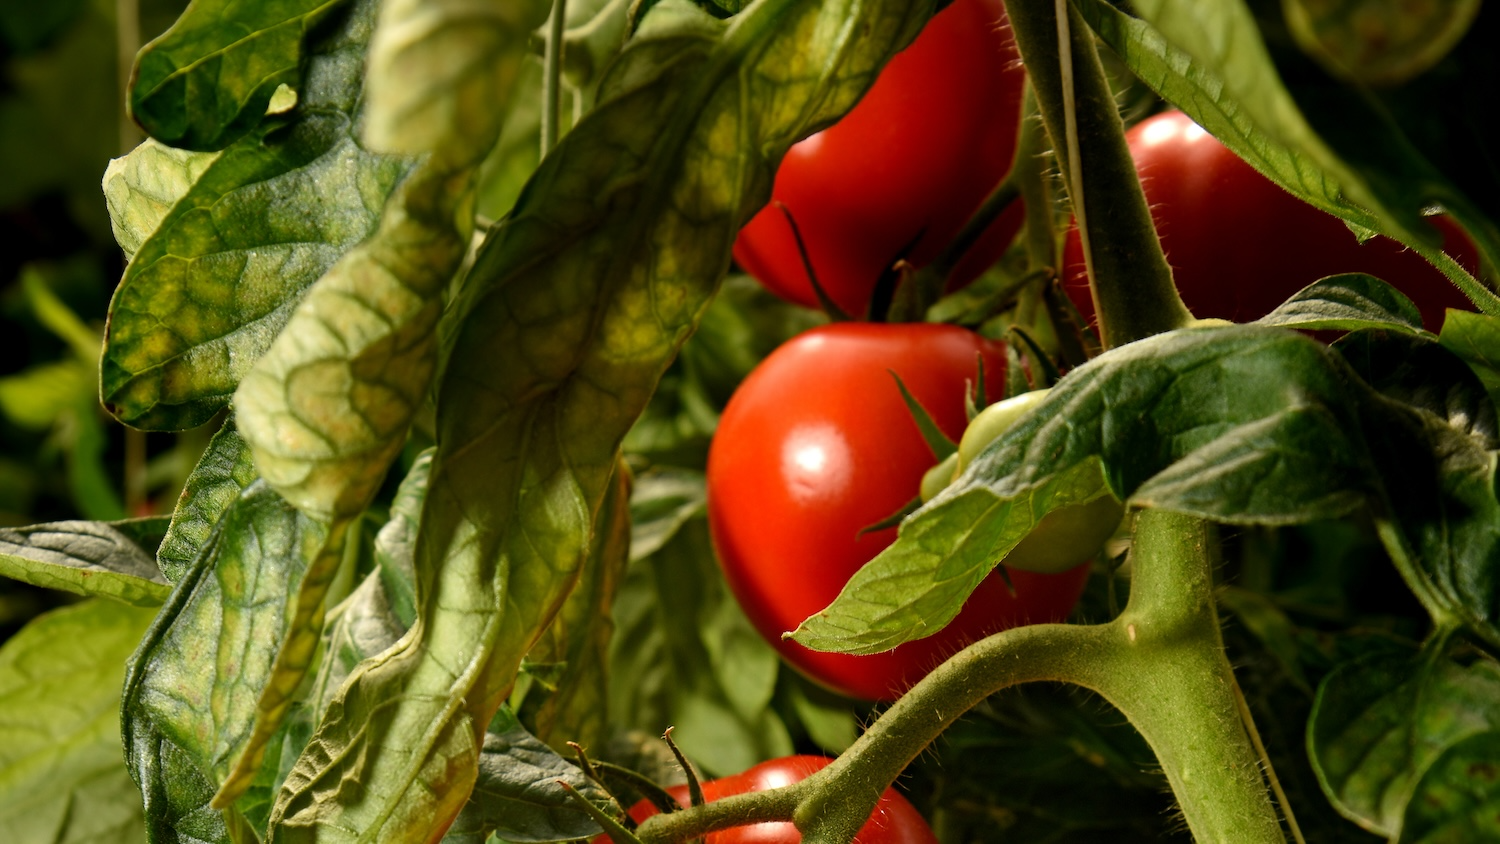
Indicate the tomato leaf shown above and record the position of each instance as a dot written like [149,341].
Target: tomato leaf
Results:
[85,558]
[1425,375]
[197,680]
[1458,797]
[203,298]
[1246,425]
[207,80]
[1380,722]
[517,796]
[61,780]
[571,313]
[1349,301]
[141,188]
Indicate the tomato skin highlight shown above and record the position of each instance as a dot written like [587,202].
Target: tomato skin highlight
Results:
[894,821]
[910,162]
[1239,245]
[816,445]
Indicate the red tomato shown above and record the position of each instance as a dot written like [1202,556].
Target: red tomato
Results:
[817,445]
[911,162]
[1239,245]
[895,821]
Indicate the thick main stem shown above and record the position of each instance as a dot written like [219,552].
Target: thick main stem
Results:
[1131,280]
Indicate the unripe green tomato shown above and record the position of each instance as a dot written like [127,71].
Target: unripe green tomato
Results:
[938,477]
[1063,538]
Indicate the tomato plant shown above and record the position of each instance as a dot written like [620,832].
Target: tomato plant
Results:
[894,821]
[446,290]
[816,446]
[1240,245]
[900,174]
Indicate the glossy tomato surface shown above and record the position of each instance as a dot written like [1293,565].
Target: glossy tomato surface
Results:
[1239,245]
[895,821]
[910,163]
[817,445]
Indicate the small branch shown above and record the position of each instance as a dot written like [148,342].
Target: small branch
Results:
[552,74]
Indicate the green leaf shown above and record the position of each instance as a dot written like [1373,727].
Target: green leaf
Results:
[35,398]
[223,473]
[1209,59]
[437,66]
[211,287]
[199,681]
[61,777]
[1458,798]
[1423,374]
[1380,722]
[517,796]
[328,406]
[1476,339]
[578,638]
[205,82]
[141,188]
[395,545]
[1378,44]
[573,309]
[1349,301]
[85,558]
[663,502]
[1244,424]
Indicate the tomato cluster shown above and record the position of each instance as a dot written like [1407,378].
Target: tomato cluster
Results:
[903,171]
[816,446]
[894,821]
[1239,245]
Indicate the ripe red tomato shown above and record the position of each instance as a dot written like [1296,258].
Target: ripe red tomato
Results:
[895,821]
[1239,245]
[914,159]
[817,445]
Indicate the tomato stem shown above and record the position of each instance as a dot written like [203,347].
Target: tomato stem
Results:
[552,74]
[1129,276]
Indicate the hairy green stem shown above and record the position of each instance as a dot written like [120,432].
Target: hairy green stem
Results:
[1161,663]
[1130,278]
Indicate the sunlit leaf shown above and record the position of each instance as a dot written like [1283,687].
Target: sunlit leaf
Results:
[61,776]
[85,558]
[574,308]
[207,292]
[140,188]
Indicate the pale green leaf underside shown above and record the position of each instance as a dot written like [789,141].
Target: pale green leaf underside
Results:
[140,188]
[573,310]
[85,558]
[207,80]
[62,780]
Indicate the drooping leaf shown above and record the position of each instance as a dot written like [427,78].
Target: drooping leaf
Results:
[198,681]
[1245,425]
[517,796]
[576,707]
[395,545]
[1349,301]
[1380,722]
[207,292]
[85,558]
[141,188]
[1210,60]
[61,777]
[207,81]
[573,310]
[1458,798]
[435,67]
